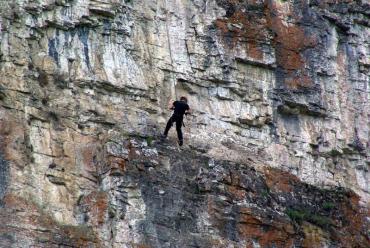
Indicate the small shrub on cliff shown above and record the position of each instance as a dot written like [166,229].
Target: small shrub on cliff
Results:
[319,220]
[301,215]
[328,205]
[297,215]
[265,193]
[149,140]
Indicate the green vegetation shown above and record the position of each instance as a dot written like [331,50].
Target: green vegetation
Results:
[328,205]
[265,192]
[149,140]
[304,215]
[297,215]
[319,220]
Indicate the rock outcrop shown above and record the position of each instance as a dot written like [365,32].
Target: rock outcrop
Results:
[277,149]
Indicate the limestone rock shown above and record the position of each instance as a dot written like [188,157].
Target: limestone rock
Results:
[277,150]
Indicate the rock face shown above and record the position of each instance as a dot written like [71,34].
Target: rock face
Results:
[277,149]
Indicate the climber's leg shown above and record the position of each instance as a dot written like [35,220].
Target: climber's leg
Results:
[168,126]
[179,132]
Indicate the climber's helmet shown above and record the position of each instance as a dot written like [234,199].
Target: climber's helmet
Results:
[184,99]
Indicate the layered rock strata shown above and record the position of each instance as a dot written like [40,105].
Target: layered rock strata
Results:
[277,149]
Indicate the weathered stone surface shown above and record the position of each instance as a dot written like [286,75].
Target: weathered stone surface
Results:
[4,177]
[277,148]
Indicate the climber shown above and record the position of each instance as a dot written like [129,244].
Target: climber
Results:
[180,108]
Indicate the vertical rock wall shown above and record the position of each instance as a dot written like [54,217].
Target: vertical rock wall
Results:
[278,86]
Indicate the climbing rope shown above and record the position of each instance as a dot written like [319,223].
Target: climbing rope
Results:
[169,47]
[174,82]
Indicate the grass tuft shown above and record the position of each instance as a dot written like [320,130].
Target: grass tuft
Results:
[149,140]
[301,215]
[328,205]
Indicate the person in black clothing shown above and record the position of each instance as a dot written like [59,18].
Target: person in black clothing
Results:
[180,108]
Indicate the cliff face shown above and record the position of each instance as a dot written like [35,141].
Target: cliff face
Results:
[277,150]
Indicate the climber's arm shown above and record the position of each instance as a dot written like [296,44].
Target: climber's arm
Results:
[188,111]
[171,104]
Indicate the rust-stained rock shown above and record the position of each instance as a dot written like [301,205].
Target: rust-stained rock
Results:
[95,207]
[277,148]
[25,222]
